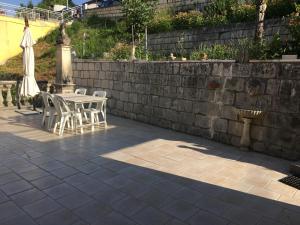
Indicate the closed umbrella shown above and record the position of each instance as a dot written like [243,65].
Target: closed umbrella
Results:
[29,86]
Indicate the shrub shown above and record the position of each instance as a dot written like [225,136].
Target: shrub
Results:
[216,51]
[184,20]
[161,22]
[120,51]
[294,29]
[280,8]
[220,8]
[242,13]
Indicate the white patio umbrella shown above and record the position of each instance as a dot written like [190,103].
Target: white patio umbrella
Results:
[29,86]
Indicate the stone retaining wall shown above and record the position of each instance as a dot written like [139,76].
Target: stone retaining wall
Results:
[201,98]
[165,43]
[178,5]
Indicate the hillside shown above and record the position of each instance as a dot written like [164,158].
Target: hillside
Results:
[100,37]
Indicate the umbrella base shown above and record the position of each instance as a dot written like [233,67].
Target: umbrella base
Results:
[64,88]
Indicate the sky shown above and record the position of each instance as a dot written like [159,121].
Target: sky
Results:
[17,2]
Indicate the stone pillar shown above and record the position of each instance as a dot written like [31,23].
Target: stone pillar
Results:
[9,97]
[245,139]
[1,96]
[64,72]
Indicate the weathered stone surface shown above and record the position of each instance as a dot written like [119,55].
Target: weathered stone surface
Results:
[176,95]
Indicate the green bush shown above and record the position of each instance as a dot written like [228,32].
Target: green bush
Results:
[162,22]
[293,46]
[185,20]
[121,51]
[242,13]
[280,8]
[216,51]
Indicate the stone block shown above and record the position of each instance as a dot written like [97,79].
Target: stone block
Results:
[273,87]
[124,96]
[235,84]
[265,70]
[259,146]
[258,132]
[186,69]
[105,66]
[79,66]
[203,69]
[187,118]
[217,69]
[165,102]
[235,128]
[184,105]
[220,125]
[85,66]
[189,81]
[241,70]
[229,112]
[224,97]
[91,66]
[203,121]
[170,91]
[132,97]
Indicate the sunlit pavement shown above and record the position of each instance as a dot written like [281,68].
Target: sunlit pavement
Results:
[134,173]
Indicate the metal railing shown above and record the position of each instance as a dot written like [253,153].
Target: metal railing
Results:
[32,13]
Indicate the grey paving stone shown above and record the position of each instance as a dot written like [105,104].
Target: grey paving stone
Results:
[16,187]
[41,160]
[77,179]
[60,190]
[93,212]
[46,182]
[88,168]
[51,165]
[115,218]
[176,222]
[103,174]
[3,197]
[204,218]
[180,209]
[27,197]
[41,207]
[109,196]
[4,170]
[9,210]
[8,177]
[115,165]
[118,181]
[150,216]
[156,198]
[128,206]
[74,200]
[213,205]
[242,216]
[19,220]
[64,172]
[188,195]
[60,217]
[34,174]
[92,187]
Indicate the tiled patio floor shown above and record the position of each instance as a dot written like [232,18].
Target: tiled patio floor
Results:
[135,174]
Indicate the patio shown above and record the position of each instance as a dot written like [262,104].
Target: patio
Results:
[134,173]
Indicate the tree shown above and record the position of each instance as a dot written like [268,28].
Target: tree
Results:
[138,14]
[261,7]
[30,4]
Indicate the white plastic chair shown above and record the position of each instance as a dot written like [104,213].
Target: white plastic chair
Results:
[48,110]
[94,112]
[65,115]
[81,91]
